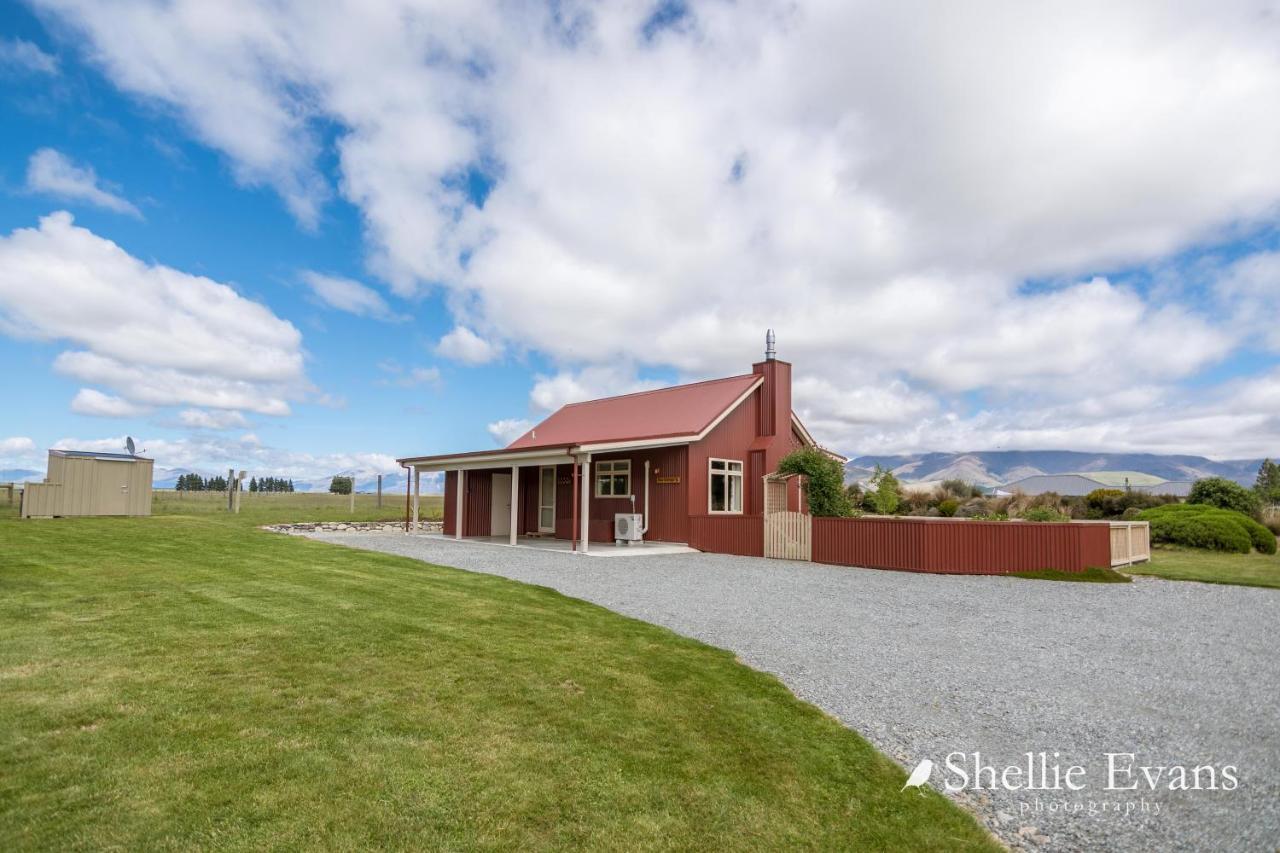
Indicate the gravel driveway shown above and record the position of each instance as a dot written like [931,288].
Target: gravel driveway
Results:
[926,665]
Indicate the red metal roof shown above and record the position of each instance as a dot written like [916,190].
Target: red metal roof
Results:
[663,413]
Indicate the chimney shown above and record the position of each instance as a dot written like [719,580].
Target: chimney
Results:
[775,394]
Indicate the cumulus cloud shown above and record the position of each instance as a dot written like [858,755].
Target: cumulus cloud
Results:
[52,173]
[21,55]
[508,430]
[657,198]
[1250,290]
[462,344]
[88,401]
[16,444]
[590,383]
[351,297]
[152,335]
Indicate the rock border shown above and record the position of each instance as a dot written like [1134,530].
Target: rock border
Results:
[302,528]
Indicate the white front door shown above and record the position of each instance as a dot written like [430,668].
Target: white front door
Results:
[547,499]
[500,511]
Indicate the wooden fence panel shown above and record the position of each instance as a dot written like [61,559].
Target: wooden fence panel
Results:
[1130,542]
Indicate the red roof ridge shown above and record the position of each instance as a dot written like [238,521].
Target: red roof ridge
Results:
[660,390]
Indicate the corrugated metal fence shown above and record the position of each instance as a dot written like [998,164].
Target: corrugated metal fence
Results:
[728,534]
[961,546]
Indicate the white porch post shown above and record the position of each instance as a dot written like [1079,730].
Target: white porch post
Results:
[457,513]
[515,500]
[417,491]
[586,498]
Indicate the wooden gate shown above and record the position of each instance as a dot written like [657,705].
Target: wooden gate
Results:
[788,535]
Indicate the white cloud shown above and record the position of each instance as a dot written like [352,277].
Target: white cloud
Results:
[88,401]
[24,56]
[52,173]
[462,344]
[152,335]
[207,419]
[658,202]
[590,383]
[410,377]
[16,444]
[1250,291]
[508,430]
[350,296]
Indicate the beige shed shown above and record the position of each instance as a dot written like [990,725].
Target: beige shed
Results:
[85,483]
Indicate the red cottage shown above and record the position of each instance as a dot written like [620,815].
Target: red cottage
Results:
[681,464]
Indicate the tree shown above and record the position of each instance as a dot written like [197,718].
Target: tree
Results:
[825,480]
[884,494]
[1268,483]
[253,484]
[340,485]
[1226,494]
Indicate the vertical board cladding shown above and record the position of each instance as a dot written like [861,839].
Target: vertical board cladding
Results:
[450,502]
[959,547]
[731,439]
[742,535]
[668,507]
[477,503]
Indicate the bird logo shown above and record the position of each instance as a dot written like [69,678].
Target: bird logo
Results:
[920,775]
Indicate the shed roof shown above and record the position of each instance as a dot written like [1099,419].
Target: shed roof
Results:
[681,410]
[93,454]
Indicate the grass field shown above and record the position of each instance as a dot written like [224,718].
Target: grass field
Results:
[187,681]
[1185,564]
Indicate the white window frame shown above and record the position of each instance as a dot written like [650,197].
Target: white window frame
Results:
[726,473]
[612,467]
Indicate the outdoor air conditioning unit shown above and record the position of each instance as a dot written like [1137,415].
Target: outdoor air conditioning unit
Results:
[628,527]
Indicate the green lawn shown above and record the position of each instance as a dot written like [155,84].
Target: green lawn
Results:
[189,681]
[1185,564]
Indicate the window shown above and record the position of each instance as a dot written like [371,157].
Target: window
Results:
[725,487]
[613,479]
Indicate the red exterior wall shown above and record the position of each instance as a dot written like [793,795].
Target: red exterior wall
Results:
[668,507]
[731,439]
[960,547]
[728,534]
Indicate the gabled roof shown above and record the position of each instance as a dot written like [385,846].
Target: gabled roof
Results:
[665,413]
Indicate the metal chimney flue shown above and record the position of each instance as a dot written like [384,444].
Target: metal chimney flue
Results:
[770,346]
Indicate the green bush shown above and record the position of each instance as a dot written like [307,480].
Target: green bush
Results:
[883,497]
[1204,526]
[1117,503]
[1044,513]
[948,507]
[825,487]
[1225,494]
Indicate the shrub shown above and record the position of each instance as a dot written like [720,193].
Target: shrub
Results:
[1044,513]
[959,489]
[1204,526]
[884,493]
[1224,494]
[825,487]
[948,507]
[1116,503]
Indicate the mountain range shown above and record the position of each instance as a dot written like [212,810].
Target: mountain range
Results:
[997,467]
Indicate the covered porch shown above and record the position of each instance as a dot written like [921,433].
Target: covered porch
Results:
[599,549]
[550,498]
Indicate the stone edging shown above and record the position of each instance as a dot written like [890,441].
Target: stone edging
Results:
[352,527]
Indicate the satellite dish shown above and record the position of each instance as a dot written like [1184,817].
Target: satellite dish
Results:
[129,445]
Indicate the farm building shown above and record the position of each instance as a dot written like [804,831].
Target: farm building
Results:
[86,483]
[657,462]
[1084,483]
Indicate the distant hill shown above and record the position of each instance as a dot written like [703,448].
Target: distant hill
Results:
[996,467]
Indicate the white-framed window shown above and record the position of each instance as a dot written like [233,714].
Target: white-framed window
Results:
[613,478]
[724,486]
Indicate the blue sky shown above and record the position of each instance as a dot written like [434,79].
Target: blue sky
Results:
[418,230]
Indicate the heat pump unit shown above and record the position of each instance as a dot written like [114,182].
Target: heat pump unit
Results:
[628,527]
